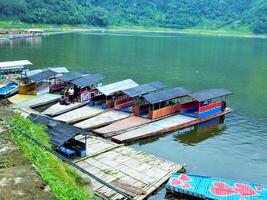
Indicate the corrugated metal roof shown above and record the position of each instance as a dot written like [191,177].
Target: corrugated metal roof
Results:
[118,86]
[59,132]
[59,70]
[44,75]
[88,80]
[160,96]
[209,94]
[144,89]
[71,76]
[14,64]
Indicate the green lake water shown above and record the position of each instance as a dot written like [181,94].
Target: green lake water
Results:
[235,150]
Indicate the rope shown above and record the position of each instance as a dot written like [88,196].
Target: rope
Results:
[66,160]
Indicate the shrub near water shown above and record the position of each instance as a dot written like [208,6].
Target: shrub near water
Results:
[64,182]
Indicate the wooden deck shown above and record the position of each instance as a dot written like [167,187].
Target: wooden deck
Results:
[58,109]
[79,114]
[36,101]
[163,126]
[102,119]
[134,172]
[121,126]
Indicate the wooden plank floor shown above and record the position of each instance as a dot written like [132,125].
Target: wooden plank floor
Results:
[121,126]
[58,109]
[134,172]
[102,119]
[38,100]
[162,126]
[79,114]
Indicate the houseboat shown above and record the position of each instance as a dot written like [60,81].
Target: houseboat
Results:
[205,103]
[11,67]
[8,89]
[162,103]
[205,187]
[130,97]
[106,95]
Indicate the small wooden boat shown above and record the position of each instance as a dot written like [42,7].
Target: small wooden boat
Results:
[214,188]
[8,89]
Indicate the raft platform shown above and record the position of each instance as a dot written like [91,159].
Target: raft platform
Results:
[162,126]
[206,187]
[102,119]
[134,172]
[38,100]
[121,126]
[59,109]
[79,114]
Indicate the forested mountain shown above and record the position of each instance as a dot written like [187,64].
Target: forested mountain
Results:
[180,14]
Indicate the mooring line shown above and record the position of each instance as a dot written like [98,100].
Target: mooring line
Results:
[66,160]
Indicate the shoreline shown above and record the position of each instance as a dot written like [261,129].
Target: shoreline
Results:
[132,29]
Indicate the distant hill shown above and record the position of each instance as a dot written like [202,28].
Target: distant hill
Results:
[179,14]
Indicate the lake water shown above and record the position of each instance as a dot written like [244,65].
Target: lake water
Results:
[235,150]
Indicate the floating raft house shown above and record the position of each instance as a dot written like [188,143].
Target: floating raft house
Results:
[205,103]
[106,94]
[162,103]
[205,187]
[132,96]
[13,66]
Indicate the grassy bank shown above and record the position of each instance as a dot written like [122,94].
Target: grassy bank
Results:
[241,32]
[64,182]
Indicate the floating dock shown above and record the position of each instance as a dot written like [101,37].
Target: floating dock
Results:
[102,119]
[79,114]
[162,126]
[39,100]
[121,126]
[58,109]
[18,98]
[134,172]
[206,187]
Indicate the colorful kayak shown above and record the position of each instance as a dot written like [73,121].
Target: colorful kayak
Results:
[214,188]
[8,89]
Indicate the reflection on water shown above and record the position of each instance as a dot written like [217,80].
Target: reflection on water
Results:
[21,41]
[201,132]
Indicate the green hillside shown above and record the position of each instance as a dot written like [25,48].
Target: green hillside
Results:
[178,14]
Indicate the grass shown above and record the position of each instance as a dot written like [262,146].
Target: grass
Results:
[64,181]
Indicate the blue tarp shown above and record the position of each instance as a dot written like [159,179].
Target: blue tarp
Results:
[164,95]
[214,188]
[209,94]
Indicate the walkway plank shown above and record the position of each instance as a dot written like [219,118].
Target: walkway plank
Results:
[79,114]
[162,126]
[38,100]
[134,172]
[102,119]
[121,126]
[58,109]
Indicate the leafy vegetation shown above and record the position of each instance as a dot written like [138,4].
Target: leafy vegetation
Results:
[178,14]
[64,182]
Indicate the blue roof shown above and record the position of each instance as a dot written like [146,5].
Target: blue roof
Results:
[209,94]
[214,188]
[44,75]
[144,89]
[88,80]
[164,95]
[71,76]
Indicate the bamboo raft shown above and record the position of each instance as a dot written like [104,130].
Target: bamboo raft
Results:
[36,101]
[79,114]
[163,126]
[102,119]
[121,126]
[58,109]
[134,172]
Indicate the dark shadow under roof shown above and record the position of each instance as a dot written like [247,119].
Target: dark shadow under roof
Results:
[44,75]
[209,94]
[144,89]
[59,132]
[164,95]
[88,80]
[71,76]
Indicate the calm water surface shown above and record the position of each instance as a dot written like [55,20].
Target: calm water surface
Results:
[235,150]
